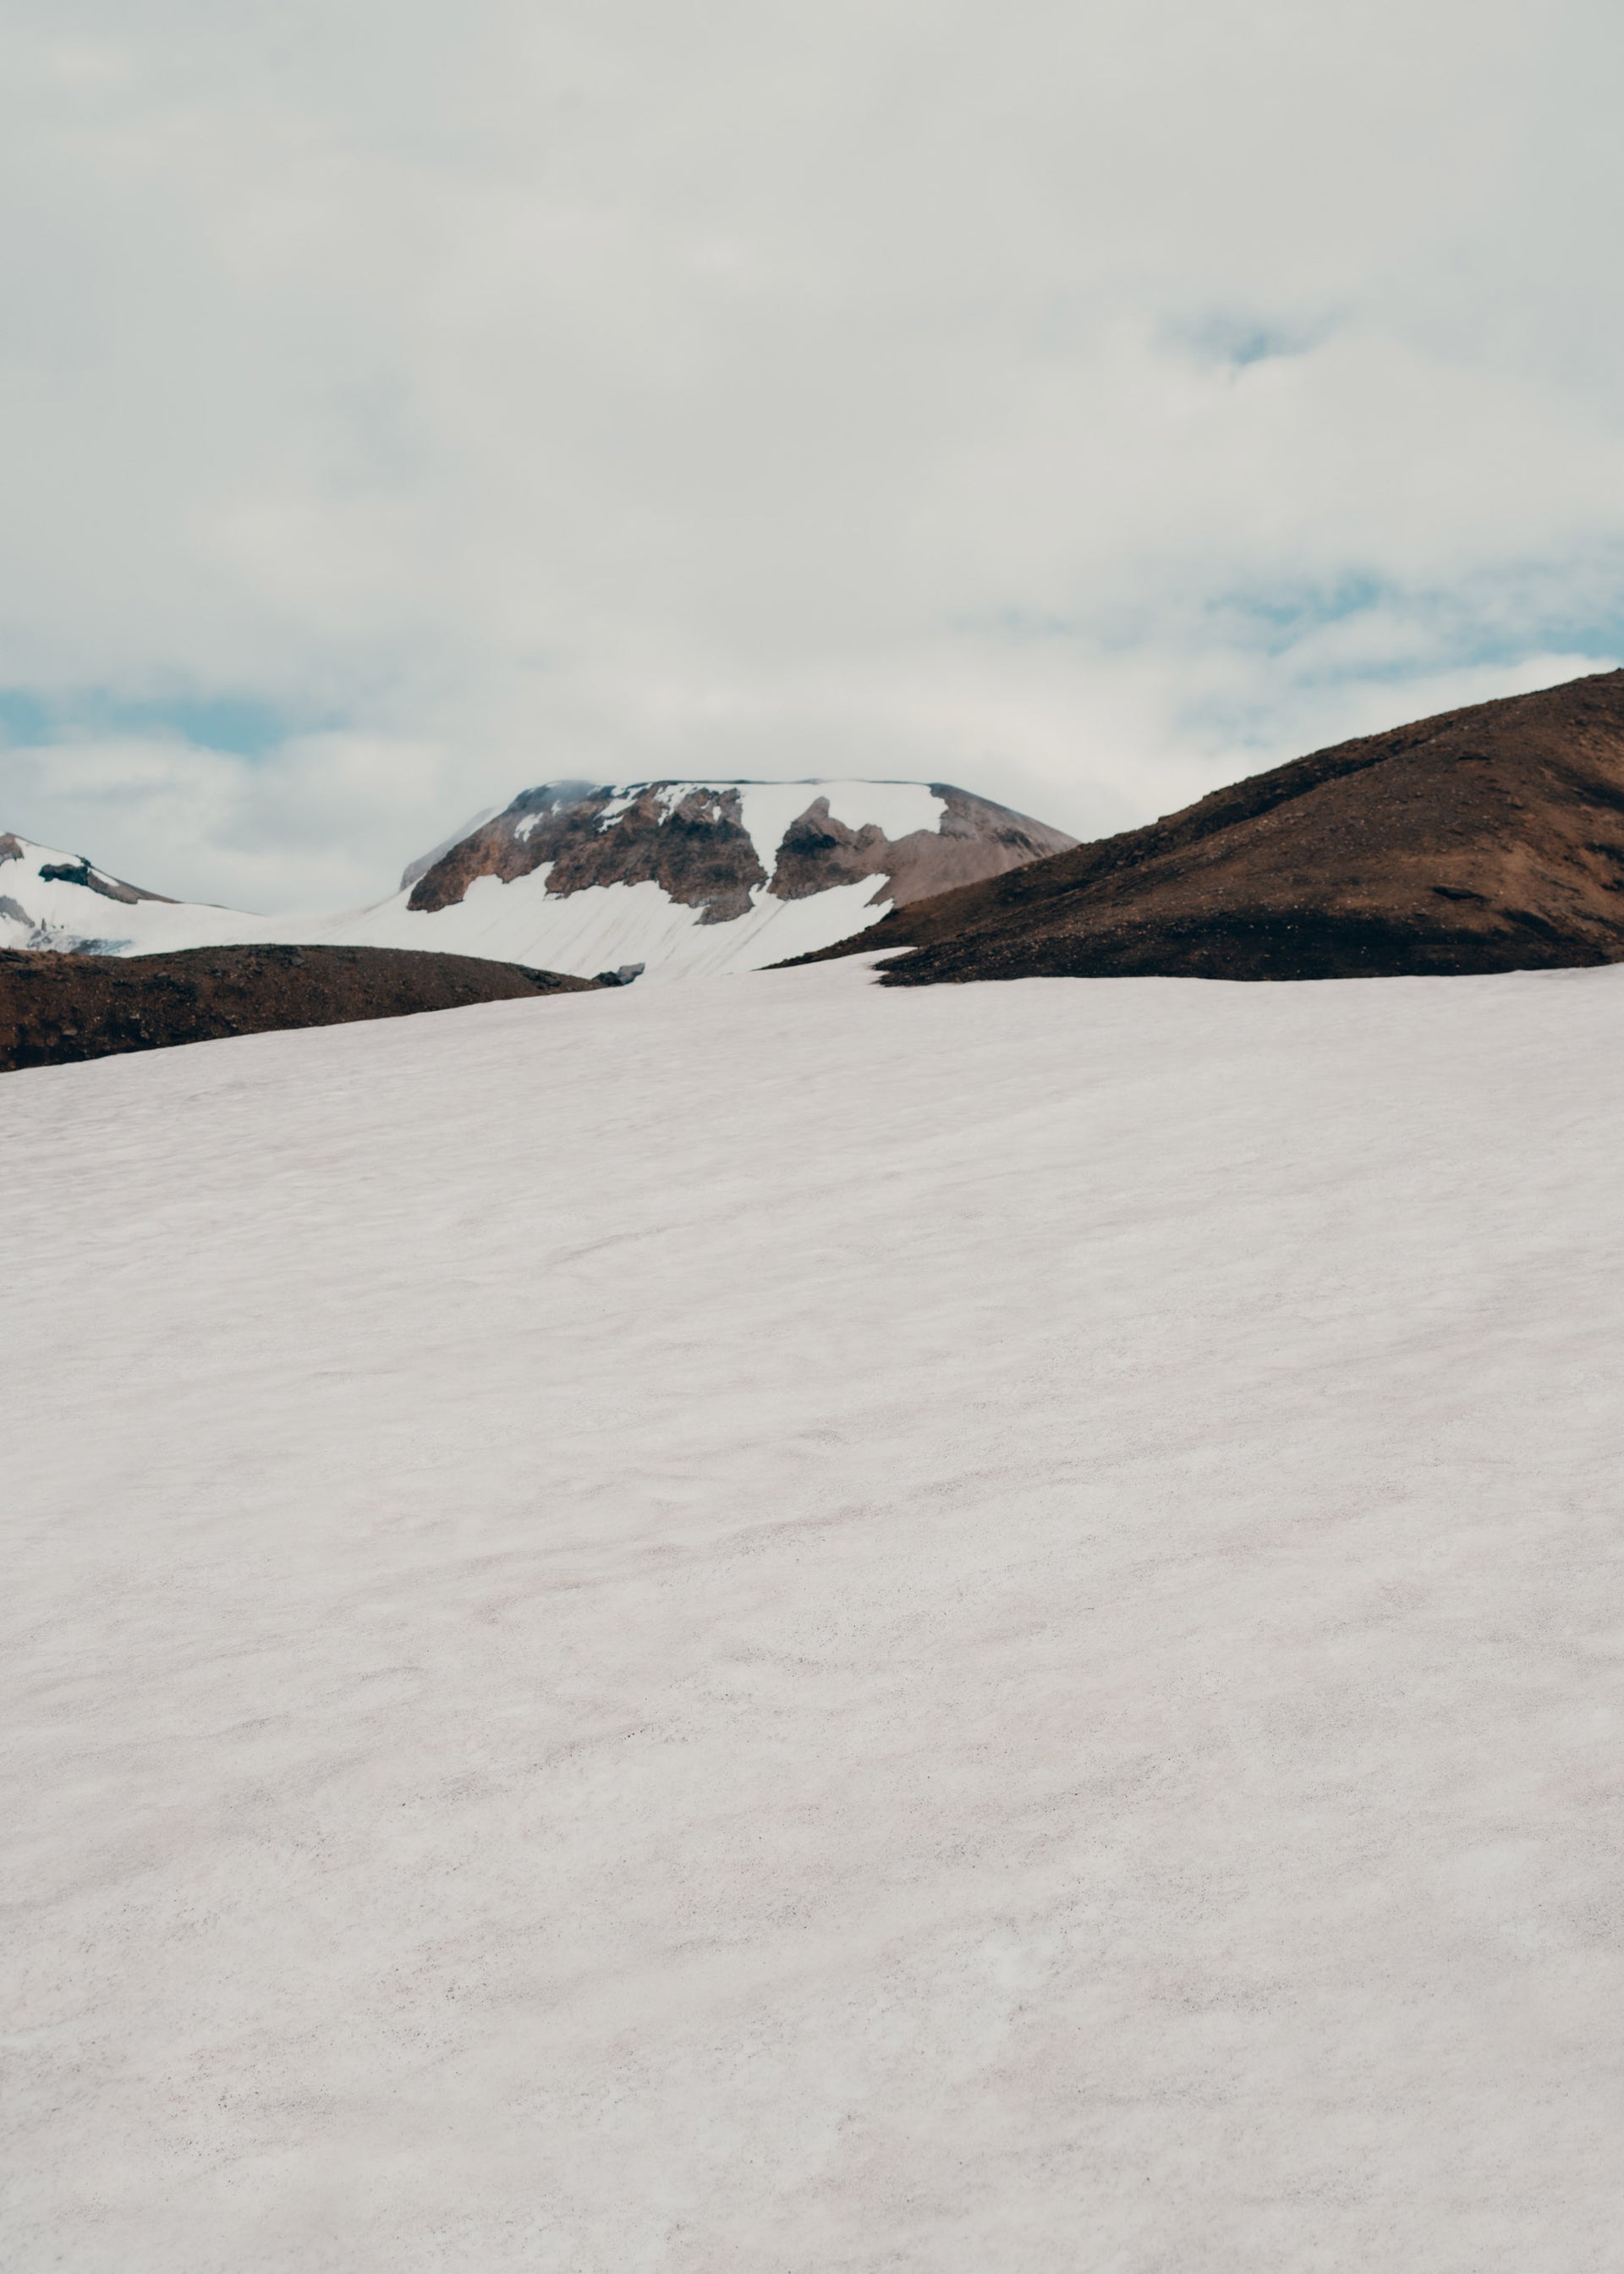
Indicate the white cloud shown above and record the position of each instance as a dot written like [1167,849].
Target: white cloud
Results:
[325,827]
[1084,403]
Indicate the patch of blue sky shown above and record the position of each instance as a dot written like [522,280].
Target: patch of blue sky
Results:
[1498,621]
[1237,339]
[1278,620]
[1356,626]
[24,718]
[247,725]
[1271,620]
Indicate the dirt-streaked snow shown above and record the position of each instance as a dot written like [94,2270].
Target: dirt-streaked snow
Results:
[783,1626]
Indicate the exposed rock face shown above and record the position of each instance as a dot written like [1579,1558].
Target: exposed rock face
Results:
[1489,838]
[690,841]
[704,846]
[110,888]
[58,1008]
[973,839]
[422,862]
[76,872]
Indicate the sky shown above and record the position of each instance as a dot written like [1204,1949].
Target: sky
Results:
[1086,404]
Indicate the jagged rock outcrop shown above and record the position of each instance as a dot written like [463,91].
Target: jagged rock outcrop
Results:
[696,877]
[705,844]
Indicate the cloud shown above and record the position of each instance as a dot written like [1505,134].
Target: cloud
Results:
[1085,404]
[319,828]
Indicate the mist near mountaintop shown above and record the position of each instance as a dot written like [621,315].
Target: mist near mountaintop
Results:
[1088,406]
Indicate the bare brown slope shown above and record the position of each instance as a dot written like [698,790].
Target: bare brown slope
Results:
[1484,840]
[55,1008]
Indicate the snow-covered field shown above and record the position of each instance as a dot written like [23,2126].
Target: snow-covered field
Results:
[782,1626]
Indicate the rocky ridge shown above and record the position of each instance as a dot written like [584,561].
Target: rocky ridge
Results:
[54,1008]
[1486,838]
[718,846]
[685,877]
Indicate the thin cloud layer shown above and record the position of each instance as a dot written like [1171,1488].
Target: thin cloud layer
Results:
[1086,404]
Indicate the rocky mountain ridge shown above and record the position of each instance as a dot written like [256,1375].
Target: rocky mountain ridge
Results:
[714,846]
[1486,838]
[685,877]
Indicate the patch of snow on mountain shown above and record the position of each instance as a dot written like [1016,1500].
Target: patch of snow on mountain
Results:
[782,1624]
[56,912]
[518,921]
[606,925]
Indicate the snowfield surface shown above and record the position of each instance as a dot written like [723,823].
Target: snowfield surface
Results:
[782,1626]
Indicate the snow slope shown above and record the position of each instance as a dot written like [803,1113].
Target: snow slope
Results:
[53,899]
[516,922]
[796,1626]
[603,926]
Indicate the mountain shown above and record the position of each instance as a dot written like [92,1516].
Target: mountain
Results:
[58,1008]
[685,877]
[1489,838]
[689,878]
[58,901]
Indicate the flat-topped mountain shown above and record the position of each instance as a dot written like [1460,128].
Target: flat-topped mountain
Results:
[689,878]
[1489,838]
[684,877]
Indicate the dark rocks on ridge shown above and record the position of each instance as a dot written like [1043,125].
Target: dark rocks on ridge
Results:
[58,1008]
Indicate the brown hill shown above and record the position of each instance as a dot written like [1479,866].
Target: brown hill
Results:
[54,1008]
[1486,839]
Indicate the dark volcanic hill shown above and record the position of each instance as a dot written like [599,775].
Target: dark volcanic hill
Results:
[55,1008]
[1486,839]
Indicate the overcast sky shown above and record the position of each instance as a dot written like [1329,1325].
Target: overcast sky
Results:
[405,402]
